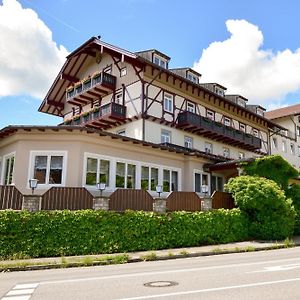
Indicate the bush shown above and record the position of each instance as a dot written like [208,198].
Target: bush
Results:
[270,214]
[293,192]
[273,167]
[83,232]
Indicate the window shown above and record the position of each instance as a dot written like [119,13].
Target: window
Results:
[298,130]
[149,178]
[121,132]
[259,111]
[226,152]
[123,72]
[168,103]
[216,183]
[125,175]
[119,98]
[210,114]
[255,132]
[48,169]
[170,180]
[9,164]
[192,78]
[242,127]
[292,149]
[188,142]
[208,147]
[97,170]
[227,121]
[241,102]
[190,107]
[283,146]
[201,181]
[220,92]
[160,61]
[108,69]
[165,136]
[274,143]
[241,155]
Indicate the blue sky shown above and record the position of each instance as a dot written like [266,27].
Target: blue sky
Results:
[181,29]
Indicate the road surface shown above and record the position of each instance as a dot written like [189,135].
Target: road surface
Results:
[255,275]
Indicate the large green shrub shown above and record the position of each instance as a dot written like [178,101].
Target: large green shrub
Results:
[293,192]
[273,167]
[91,232]
[270,214]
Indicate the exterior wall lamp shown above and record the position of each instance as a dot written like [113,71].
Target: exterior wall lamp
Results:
[33,183]
[101,187]
[159,190]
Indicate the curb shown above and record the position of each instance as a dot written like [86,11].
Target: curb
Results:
[134,260]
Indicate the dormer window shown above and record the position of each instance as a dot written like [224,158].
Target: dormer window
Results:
[219,91]
[259,111]
[210,114]
[241,102]
[190,107]
[192,78]
[160,61]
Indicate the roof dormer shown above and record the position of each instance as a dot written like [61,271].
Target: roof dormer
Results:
[238,99]
[155,57]
[187,73]
[215,88]
[257,109]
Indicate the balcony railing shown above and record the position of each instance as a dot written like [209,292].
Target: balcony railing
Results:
[217,131]
[105,115]
[91,89]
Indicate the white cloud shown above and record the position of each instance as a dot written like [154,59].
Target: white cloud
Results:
[240,64]
[29,58]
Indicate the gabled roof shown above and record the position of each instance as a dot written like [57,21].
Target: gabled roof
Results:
[153,51]
[283,112]
[10,130]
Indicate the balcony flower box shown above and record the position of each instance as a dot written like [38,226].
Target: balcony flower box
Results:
[96,77]
[86,117]
[87,83]
[76,120]
[96,112]
[78,87]
[67,122]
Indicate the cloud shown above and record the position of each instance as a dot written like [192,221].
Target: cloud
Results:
[29,58]
[244,67]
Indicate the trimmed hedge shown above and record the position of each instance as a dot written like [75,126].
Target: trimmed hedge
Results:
[56,233]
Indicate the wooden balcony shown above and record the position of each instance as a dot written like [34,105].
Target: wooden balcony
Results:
[214,130]
[106,115]
[91,89]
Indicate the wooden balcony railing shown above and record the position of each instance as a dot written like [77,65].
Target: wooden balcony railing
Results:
[217,131]
[108,113]
[91,89]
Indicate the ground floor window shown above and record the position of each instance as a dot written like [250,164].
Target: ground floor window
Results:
[217,183]
[201,181]
[125,175]
[170,180]
[48,169]
[9,163]
[149,178]
[97,170]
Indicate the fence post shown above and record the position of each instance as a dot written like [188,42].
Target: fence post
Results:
[32,202]
[206,203]
[101,203]
[160,205]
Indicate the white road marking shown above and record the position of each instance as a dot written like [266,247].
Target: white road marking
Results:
[165,272]
[278,268]
[26,286]
[20,292]
[17,298]
[213,289]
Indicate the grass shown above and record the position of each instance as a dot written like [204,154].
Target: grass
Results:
[149,257]
[184,252]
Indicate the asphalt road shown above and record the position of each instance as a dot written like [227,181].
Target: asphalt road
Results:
[256,275]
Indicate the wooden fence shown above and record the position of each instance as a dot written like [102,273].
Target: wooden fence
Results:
[10,197]
[188,201]
[123,199]
[67,198]
[222,200]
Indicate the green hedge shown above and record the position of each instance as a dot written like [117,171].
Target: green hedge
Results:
[55,233]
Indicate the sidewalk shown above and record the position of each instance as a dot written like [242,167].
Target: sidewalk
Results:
[105,259]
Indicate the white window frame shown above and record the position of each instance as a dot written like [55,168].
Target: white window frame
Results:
[275,142]
[126,173]
[241,102]
[298,151]
[227,121]
[168,102]
[165,133]
[48,153]
[211,150]
[160,61]
[255,132]
[192,77]
[191,107]
[284,148]
[217,176]
[4,158]
[242,127]
[210,114]
[259,111]
[201,173]
[225,149]
[188,142]
[123,72]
